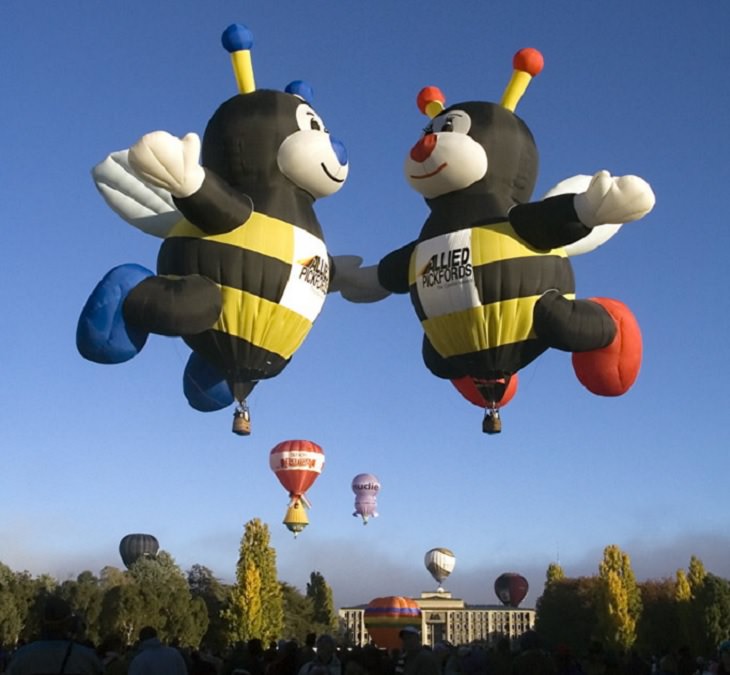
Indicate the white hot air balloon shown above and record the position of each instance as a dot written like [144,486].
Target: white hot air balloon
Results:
[440,563]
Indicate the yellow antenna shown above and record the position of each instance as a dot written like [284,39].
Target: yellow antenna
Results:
[430,101]
[527,63]
[238,40]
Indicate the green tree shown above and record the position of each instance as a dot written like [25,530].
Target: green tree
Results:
[554,573]
[713,610]
[30,592]
[85,596]
[153,592]
[566,612]
[213,593]
[297,614]
[11,612]
[696,574]
[122,612]
[255,606]
[619,600]
[167,601]
[682,589]
[323,606]
[112,576]
[689,610]
[659,629]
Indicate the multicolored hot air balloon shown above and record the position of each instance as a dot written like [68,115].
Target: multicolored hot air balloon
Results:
[132,547]
[489,274]
[440,562]
[385,617]
[511,588]
[243,270]
[366,487]
[297,464]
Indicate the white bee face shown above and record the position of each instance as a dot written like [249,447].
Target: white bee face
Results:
[446,158]
[311,158]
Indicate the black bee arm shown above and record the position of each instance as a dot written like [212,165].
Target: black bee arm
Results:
[549,223]
[393,269]
[216,207]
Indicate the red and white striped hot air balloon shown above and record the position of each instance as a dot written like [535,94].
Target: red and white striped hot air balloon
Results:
[297,464]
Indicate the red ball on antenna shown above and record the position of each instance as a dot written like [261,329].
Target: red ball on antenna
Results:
[429,95]
[528,60]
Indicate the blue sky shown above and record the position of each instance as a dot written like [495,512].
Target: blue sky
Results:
[90,452]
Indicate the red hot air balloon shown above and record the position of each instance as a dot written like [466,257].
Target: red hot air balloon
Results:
[490,395]
[296,464]
[511,588]
[467,387]
[385,618]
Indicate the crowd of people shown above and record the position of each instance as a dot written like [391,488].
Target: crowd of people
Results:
[59,651]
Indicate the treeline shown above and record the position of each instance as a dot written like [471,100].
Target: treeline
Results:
[191,609]
[652,617]
[195,609]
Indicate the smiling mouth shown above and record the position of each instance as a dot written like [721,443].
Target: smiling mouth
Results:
[433,173]
[330,176]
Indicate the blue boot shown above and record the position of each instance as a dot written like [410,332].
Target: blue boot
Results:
[205,386]
[102,335]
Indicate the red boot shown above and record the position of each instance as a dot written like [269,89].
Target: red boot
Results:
[612,370]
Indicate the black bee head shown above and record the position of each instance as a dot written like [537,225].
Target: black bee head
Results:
[475,147]
[267,140]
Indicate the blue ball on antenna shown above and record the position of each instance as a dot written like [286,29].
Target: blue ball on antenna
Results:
[237,37]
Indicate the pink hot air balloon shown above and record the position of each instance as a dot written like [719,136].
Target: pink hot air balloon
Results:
[366,488]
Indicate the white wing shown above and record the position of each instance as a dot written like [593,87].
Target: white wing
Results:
[148,208]
[600,234]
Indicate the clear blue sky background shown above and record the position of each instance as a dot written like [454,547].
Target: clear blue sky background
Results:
[90,452]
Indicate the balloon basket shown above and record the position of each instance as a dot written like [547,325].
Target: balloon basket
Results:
[492,423]
[241,421]
[296,518]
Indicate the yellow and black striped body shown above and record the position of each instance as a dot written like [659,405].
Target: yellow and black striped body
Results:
[474,291]
[273,278]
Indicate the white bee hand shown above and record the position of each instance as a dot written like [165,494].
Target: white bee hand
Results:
[614,199]
[356,283]
[169,162]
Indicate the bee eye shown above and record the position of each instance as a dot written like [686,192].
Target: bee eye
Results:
[308,120]
[455,121]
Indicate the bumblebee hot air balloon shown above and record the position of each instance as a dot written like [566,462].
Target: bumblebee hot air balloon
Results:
[366,488]
[385,617]
[132,547]
[243,270]
[489,275]
[511,588]
[440,562]
[297,464]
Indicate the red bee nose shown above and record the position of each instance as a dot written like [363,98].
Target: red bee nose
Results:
[422,150]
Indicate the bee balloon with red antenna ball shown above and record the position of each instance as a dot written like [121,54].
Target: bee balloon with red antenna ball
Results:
[297,464]
[243,270]
[489,275]
[483,394]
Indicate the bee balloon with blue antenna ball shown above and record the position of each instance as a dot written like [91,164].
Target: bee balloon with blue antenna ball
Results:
[243,270]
